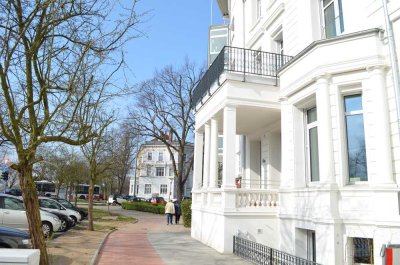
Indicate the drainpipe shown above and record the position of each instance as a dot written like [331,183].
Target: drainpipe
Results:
[393,60]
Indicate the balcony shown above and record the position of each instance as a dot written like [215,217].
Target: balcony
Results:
[239,60]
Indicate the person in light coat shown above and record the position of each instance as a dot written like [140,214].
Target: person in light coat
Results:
[169,211]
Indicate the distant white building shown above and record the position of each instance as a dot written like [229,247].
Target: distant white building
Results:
[306,99]
[154,173]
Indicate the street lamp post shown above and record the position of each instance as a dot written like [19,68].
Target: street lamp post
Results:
[170,186]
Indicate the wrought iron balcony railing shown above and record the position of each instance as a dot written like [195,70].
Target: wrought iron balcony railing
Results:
[232,59]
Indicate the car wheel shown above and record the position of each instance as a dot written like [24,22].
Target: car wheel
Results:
[82,197]
[47,229]
[74,219]
[64,226]
[114,203]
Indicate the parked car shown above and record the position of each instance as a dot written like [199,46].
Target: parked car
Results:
[157,200]
[15,192]
[136,199]
[14,238]
[115,199]
[69,205]
[66,221]
[50,204]
[13,214]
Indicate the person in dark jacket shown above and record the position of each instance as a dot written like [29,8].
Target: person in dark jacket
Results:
[177,211]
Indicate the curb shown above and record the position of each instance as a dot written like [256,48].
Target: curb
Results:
[95,257]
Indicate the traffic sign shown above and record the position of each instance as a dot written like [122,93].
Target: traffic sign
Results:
[6,168]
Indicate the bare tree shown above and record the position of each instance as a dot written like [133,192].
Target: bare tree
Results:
[124,147]
[98,155]
[164,110]
[52,59]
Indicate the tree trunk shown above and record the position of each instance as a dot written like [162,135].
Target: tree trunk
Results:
[90,206]
[31,202]
[58,189]
[179,189]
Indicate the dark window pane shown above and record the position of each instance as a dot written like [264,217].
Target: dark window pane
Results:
[311,115]
[329,18]
[356,148]
[363,250]
[314,163]
[326,2]
[352,103]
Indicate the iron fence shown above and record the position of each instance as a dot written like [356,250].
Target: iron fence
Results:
[233,59]
[263,255]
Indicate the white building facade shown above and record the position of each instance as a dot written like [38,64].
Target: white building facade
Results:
[154,173]
[306,100]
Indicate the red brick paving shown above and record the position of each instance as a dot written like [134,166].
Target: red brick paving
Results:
[130,245]
[122,247]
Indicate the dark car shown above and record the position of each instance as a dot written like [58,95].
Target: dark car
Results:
[136,199]
[66,221]
[157,200]
[15,192]
[14,238]
[69,205]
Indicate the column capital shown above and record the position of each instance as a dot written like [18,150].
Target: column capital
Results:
[377,68]
[322,78]
[230,107]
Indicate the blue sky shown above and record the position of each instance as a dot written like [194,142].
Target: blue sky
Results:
[175,29]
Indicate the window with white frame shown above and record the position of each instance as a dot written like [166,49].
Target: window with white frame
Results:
[161,156]
[159,171]
[355,136]
[163,189]
[258,9]
[278,43]
[148,169]
[332,17]
[147,188]
[312,144]
[149,156]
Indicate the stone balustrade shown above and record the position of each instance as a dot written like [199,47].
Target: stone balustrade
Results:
[256,198]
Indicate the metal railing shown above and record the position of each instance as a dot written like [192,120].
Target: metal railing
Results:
[263,255]
[233,59]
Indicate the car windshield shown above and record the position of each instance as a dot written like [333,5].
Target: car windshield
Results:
[66,204]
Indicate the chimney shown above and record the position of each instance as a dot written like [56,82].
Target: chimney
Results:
[170,136]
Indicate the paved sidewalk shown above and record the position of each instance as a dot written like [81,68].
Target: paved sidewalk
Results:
[151,242]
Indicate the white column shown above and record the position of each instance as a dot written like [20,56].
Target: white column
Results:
[325,140]
[214,153]
[287,146]
[228,176]
[377,86]
[198,160]
[206,169]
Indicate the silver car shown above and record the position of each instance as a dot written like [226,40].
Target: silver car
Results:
[13,214]
[53,205]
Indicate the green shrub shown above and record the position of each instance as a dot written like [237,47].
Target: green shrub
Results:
[144,207]
[186,208]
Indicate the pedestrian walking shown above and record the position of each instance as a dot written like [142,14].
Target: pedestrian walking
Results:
[169,211]
[177,211]
[177,206]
